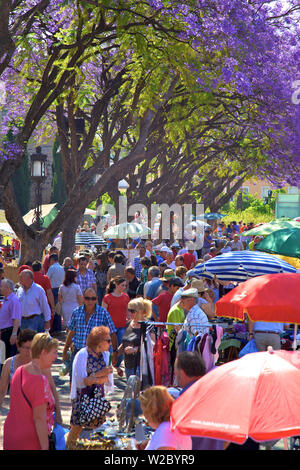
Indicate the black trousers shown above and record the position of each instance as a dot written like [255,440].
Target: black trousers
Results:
[10,350]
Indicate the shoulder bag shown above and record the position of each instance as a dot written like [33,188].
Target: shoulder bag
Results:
[52,437]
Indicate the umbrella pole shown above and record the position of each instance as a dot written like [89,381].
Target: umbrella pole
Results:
[295,337]
[285,443]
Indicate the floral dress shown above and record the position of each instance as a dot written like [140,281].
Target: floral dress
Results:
[94,365]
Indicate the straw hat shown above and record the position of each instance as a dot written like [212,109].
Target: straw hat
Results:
[199,285]
[168,274]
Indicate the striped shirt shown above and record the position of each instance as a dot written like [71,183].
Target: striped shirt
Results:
[87,280]
[82,329]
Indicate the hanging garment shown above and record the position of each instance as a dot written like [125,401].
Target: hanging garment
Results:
[191,345]
[147,365]
[158,351]
[165,358]
[207,355]
[181,340]
[218,342]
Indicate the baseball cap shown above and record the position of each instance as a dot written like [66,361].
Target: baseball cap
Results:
[175,281]
[166,249]
[23,267]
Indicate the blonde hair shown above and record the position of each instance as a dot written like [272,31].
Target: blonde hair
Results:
[142,306]
[41,342]
[156,403]
[181,271]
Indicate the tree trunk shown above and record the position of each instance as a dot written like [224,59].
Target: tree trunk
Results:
[32,248]
[68,237]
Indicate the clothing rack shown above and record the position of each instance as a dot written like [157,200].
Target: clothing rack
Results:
[155,323]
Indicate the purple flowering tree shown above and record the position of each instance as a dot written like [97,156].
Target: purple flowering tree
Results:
[144,76]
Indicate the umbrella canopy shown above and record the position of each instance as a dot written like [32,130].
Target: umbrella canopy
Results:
[213,216]
[282,242]
[6,230]
[48,213]
[88,238]
[292,261]
[267,229]
[272,297]
[239,266]
[197,224]
[127,230]
[256,396]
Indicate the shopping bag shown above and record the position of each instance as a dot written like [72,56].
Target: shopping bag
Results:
[249,348]
[60,433]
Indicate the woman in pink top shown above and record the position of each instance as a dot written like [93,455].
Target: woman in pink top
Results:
[29,421]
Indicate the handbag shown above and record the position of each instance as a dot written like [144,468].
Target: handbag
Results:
[93,407]
[51,437]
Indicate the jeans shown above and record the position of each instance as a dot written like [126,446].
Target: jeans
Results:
[100,294]
[36,323]
[120,334]
[132,371]
[55,294]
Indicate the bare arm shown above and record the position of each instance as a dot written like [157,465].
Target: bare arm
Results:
[58,417]
[4,380]
[51,299]
[68,344]
[40,422]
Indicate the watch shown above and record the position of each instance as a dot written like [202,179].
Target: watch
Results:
[115,350]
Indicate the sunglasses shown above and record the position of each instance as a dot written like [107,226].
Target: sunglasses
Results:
[90,298]
[131,310]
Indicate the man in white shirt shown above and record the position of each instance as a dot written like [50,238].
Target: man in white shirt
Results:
[236,244]
[36,313]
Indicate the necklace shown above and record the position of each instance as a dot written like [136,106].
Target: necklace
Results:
[37,367]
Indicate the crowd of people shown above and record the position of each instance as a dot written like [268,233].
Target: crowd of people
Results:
[101,304]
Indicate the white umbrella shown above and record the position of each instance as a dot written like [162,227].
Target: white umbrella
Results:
[127,230]
[6,230]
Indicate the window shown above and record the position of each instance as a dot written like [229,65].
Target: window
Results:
[293,190]
[264,191]
[245,189]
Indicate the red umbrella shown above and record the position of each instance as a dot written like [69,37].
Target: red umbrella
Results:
[256,396]
[271,297]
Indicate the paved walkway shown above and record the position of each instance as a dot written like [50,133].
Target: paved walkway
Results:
[62,385]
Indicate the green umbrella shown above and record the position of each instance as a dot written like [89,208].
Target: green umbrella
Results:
[282,242]
[127,230]
[267,229]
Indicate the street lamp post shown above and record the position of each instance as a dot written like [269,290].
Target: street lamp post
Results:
[38,175]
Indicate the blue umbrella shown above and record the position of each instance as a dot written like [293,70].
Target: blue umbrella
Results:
[214,216]
[238,266]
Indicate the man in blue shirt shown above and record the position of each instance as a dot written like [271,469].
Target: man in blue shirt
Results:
[83,320]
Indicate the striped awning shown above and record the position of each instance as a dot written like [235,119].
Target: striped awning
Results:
[88,238]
